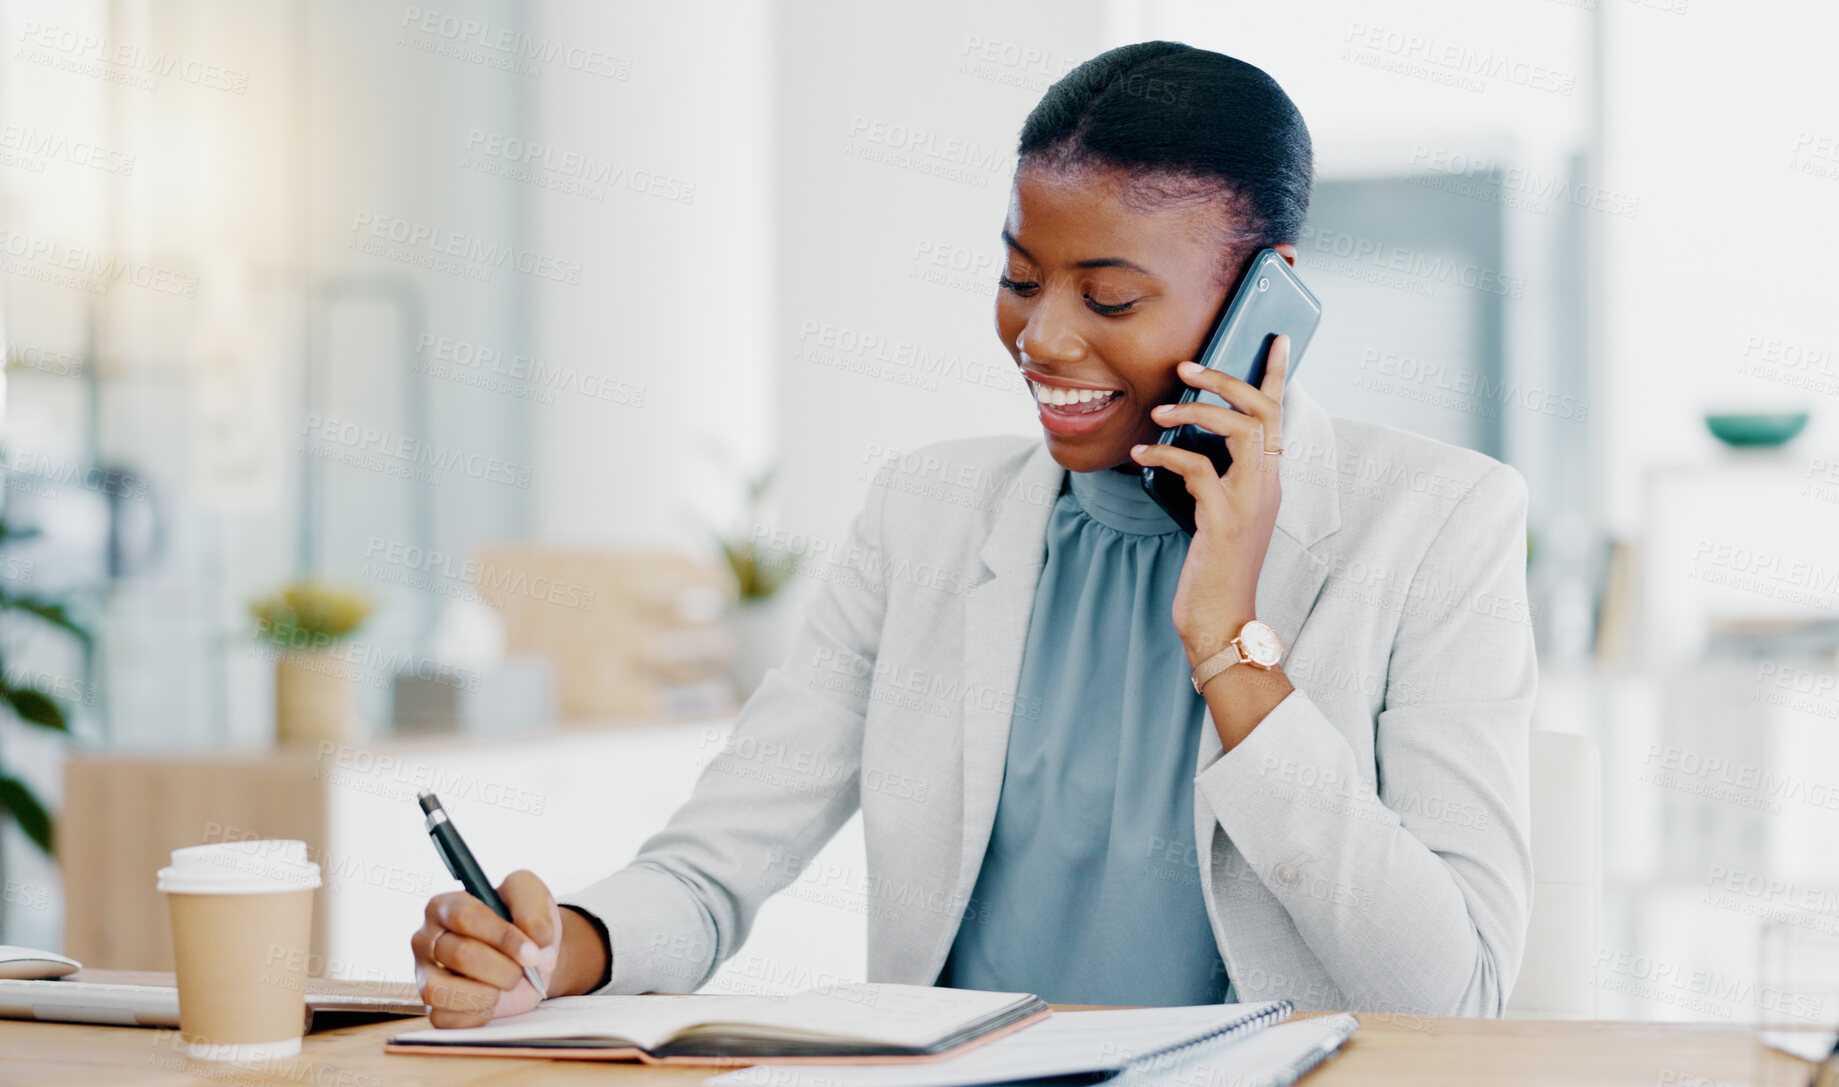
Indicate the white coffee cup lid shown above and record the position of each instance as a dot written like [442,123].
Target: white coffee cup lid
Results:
[261,866]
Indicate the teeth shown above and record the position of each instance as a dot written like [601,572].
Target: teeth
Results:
[1062,397]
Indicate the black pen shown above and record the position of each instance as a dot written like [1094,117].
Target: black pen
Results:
[459,860]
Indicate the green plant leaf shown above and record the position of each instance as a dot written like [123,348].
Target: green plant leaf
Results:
[35,707]
[17,800]
[56,614]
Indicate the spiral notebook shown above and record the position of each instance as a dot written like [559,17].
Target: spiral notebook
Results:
[1079,1046]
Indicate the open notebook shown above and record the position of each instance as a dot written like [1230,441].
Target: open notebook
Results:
[852,1023]
[1218,1045]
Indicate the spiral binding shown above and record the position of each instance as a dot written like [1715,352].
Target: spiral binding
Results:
[1276,1013]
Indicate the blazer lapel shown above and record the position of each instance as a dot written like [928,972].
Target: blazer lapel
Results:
[996,618]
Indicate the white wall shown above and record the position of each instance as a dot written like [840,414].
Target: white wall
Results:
[1710,117]
[856,234]
[677,296]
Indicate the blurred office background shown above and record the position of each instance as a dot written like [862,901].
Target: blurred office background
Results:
[496,312]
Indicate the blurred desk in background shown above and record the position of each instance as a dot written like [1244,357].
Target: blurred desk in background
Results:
[572,806]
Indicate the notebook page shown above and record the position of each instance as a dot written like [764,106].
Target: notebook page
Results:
[647,1021]
[904,1015]
[1063,1044]
[890,1013]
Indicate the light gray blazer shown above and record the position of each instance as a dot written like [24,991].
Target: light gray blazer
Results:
[1364,848]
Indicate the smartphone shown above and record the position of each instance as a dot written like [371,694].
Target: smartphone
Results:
[1270,301]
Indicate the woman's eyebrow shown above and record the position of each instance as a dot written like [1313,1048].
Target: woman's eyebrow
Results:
[1097,262]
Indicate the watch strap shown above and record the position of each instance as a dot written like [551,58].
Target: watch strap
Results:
[1216,664]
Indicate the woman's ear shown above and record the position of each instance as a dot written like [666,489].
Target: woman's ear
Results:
[1287,251]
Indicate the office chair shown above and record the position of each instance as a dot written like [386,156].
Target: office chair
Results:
[1557,974]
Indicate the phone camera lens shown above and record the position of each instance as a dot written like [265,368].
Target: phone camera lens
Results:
[1264,283]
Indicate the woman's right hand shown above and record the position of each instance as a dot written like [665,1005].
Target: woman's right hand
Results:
[470,962]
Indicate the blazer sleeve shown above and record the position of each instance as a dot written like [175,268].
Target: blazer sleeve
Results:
[1428,869]
[781,785]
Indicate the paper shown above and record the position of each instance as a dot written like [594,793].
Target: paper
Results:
[903,1015]
[1274,1057]
[1065,1043]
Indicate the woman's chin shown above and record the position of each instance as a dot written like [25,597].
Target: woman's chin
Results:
[1086,456]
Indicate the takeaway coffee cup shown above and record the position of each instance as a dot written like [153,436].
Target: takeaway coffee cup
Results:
[242,920]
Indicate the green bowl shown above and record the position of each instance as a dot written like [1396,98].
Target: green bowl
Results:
[1754,431]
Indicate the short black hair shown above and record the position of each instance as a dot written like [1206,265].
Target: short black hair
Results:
[1184,124]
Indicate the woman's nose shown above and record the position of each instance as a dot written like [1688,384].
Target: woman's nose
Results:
[1049,339]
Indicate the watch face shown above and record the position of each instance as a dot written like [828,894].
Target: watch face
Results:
[1260,644]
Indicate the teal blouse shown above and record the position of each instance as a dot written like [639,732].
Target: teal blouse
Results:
[1090,890]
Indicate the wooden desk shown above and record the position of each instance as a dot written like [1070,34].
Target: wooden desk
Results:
[1387,1050]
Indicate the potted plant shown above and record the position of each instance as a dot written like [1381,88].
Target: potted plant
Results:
[303,624]
[762,617]
[30,702]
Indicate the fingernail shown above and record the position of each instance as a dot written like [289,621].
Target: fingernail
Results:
[1135,449]
[529,955]
[1160,410]
[1189,368]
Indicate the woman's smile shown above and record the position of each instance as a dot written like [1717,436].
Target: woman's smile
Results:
[1070,410]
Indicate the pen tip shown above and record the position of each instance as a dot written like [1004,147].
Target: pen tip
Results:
[429,805]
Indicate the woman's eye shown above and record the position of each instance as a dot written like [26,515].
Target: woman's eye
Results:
[1108,310]
[1019,286]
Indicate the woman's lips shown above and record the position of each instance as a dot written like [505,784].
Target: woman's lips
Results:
[1071,420]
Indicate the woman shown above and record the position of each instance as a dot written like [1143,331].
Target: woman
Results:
[1073,780]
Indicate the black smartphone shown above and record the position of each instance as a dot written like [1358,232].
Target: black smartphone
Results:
[1270,301]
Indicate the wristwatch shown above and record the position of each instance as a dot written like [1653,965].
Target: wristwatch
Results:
[1256,645]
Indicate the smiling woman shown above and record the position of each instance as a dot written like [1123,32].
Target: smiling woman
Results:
[1149,766]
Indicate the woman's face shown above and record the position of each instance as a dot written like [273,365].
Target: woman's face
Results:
[1099,302]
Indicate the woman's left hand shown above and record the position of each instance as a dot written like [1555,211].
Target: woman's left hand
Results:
[1234,513]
